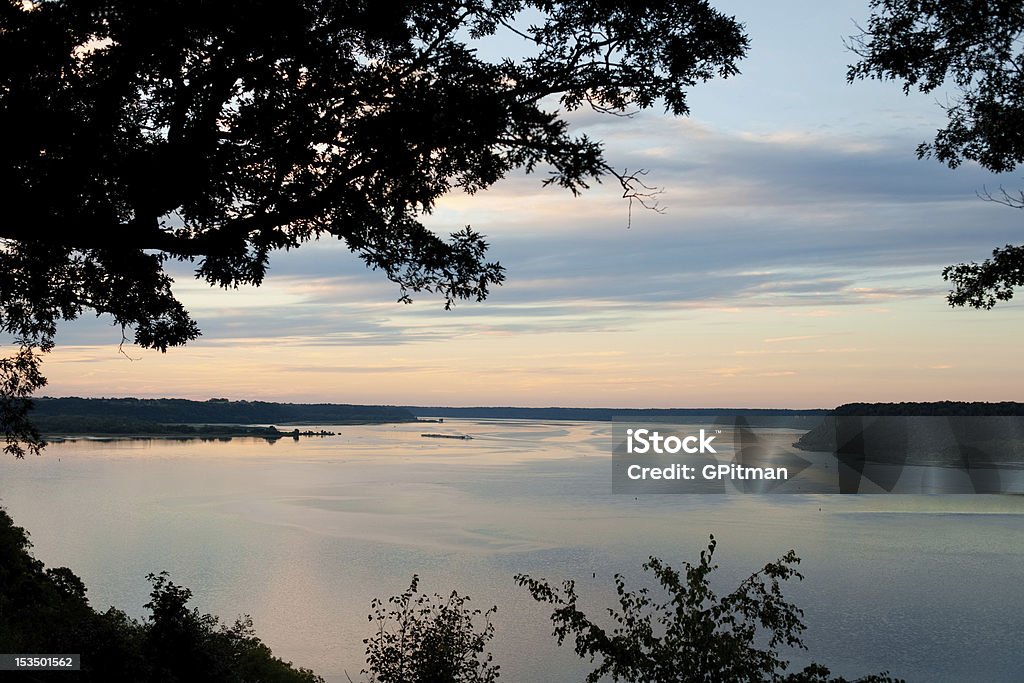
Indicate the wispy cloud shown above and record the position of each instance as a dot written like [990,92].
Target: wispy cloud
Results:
[792,265]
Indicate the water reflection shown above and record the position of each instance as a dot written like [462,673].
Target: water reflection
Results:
[303,534]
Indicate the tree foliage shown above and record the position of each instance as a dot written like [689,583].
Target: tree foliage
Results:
[692,635]
[20,376]
[976,47]
[46,610]
[982,285]
[142,133]
[429,639]
[972,45]
[181,644]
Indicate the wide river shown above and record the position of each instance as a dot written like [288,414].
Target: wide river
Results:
[303,534]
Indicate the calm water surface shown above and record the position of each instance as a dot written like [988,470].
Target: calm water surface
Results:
[302,535]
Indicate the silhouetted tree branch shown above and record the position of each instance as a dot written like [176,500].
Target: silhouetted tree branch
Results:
[981,285]
[691,634]
[218,133]
[429,639]
[978,47]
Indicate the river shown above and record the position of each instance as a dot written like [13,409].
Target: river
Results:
[302,534]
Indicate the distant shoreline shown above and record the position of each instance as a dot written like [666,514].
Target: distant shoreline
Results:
[183,433]
[61,419]
[602,414]
[73,418]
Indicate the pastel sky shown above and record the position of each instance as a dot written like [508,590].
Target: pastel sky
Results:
[797,264]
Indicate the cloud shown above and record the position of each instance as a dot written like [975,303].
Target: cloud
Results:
[786,220]
[801,337]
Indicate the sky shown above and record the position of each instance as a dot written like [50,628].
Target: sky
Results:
[796,263]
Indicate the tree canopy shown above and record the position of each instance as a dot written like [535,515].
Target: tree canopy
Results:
[46,610]
[140,134]
[691,634]
[976,47]
[421,638]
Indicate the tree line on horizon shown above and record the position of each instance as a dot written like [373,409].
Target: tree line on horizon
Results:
[179,411]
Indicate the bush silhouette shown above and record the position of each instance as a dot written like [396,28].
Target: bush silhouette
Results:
[46,611]
[692,634]
[429,639]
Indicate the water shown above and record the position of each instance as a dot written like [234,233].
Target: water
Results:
[302,535]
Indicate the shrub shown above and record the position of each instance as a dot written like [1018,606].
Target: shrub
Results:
[692,635]
[429,639]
